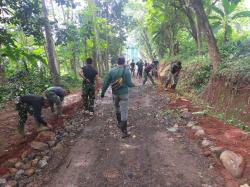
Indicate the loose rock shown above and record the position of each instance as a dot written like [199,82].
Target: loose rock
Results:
[19,173]
[191,124]
[19,165]
[39,146]
[29,172]
[200,133]
[13,170]
[2,181]
[46,136]
[173,129]
[205,143]
[11,183]
[42,163]
[34,162]
[233,162]
[244,185]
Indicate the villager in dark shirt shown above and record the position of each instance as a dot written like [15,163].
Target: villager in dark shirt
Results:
[147,75]
[173,75]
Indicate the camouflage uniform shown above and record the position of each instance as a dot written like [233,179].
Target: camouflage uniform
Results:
[89,74]
[23,110]
[54,101]
[88,95]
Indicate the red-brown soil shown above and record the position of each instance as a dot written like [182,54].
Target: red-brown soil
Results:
[222,134]
[231,97]
[12,144]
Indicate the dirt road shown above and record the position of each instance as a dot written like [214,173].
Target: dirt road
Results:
[151,157]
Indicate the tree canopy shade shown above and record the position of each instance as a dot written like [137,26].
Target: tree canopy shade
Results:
[54,37]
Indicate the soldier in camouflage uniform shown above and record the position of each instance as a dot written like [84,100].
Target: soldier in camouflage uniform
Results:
[55,96]
[90,79]
[31,104]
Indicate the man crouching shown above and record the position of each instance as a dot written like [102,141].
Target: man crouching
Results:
[33,105]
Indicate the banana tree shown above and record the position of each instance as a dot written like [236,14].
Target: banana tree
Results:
[225,15]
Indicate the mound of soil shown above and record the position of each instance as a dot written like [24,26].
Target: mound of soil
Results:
[231,97]
[11,143]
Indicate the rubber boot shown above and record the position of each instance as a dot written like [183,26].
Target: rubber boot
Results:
[118,117]
[124,129]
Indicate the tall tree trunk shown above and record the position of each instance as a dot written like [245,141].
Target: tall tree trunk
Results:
[199,36]
[206,28]
[53,10]
[148,46]
[50,47]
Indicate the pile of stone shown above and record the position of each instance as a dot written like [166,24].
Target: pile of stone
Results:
[232,162]
[37,156]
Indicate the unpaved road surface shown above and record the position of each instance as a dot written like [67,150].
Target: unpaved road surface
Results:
[151,157]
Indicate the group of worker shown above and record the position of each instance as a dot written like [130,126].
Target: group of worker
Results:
[119,78]
[33,105]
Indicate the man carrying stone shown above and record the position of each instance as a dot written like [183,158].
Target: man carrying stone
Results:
[90,79]
[120,80]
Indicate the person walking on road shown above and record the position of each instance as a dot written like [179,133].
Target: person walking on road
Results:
[173,75]
[33,105]
[120,80]
[55,96]
[149,68]
[132,68]
[139,68]
[90,80]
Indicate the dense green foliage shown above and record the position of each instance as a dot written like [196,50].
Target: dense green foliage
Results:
[174,31]
[98,28]
[93,28]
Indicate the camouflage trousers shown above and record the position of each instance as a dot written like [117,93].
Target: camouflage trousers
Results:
[55,102]
[23,110]
[88,96]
